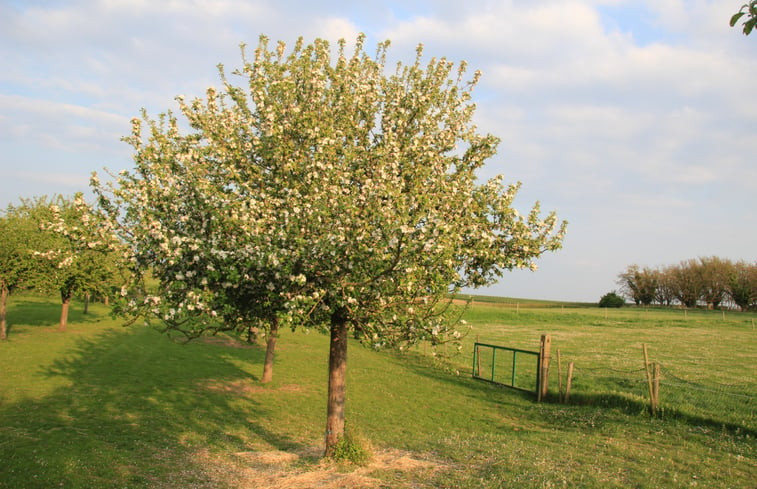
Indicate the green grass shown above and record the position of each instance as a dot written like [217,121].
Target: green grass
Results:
[708,358]
[106,406]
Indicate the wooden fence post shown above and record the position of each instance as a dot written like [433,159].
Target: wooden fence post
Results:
[650,383]
[545,347]
[559,376]
[656,388]
[569,382]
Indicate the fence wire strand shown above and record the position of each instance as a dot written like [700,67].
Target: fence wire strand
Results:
[704,401]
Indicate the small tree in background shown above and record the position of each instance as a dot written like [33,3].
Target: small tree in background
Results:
[611,299]
[665,291]
[327,192]
[715,275]
[687,280]
[84,254]
[742,285]
[639,284]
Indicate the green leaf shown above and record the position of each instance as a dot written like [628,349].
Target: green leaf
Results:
[736,18]
[748,26]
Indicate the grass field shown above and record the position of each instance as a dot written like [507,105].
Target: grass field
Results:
[708,358]
[105,406]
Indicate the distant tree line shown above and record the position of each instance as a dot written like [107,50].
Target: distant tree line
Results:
[710,282]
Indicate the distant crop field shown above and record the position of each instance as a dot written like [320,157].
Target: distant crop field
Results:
[106,406]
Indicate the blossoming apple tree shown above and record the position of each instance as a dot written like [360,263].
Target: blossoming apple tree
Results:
[326,190]
[83,254]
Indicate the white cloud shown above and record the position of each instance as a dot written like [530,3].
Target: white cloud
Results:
[337,28]
[60,126]
[639,117]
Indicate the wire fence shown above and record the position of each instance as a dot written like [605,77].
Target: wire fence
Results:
[613,380]
[701,401]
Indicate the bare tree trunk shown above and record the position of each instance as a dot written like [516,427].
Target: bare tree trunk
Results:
[337,371]
[3,303]
[86,302]
[65,303]
[270,348]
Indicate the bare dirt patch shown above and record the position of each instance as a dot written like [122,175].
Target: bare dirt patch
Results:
[304,469]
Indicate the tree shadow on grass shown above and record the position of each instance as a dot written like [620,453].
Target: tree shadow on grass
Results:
[635,406]
[453,377]
[136,413]
[427,401]
[44,312]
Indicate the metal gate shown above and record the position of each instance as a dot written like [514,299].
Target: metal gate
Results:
[509,367]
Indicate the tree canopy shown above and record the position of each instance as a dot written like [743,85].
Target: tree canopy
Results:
[20,236]
[82,254]
[326,190]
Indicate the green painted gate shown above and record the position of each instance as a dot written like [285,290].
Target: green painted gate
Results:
[509,367]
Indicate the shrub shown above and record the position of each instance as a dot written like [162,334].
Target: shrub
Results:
[611,299]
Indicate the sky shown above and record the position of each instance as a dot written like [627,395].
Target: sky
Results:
[635,121]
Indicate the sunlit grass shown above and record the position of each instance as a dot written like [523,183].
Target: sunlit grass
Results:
[105,406]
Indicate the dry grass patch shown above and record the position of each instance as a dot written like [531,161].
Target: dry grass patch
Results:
[306,470]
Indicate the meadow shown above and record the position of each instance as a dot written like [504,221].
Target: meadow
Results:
[106,406]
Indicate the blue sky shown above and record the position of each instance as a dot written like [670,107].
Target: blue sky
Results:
[634,120]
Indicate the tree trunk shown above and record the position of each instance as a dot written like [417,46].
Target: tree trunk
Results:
[337,371]
[3,303]
[65,303]
[252,334]
[86,303]
[269,351]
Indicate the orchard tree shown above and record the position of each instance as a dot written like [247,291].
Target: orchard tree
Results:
[197,224]
[105,272]
[15,259]
[327,191]
[84,254]
[20,236]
